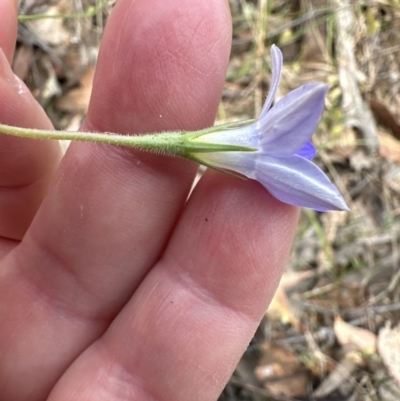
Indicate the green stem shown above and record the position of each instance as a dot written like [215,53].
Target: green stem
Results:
[171,143]
[161,143]
[91,11]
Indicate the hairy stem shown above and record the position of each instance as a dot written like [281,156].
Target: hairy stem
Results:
[171,143]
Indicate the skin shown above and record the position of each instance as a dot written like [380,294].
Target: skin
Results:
[112,286]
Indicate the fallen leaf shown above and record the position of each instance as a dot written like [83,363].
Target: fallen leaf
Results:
[389,349]
[346,334]
[384,117]
[282,309]
[346,144]
[22,61]
[298,281]
[77,100]
[281,372]
[51,30]
[389,147]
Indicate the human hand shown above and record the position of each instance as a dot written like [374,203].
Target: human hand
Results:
[119,289]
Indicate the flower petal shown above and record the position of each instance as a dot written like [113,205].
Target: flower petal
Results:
[308,151]
[277,61]
[240,162]
[290,124]
[297,181]
[282,148]
[294,179]
[241,136]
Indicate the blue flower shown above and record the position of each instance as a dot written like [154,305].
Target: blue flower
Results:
[281,160]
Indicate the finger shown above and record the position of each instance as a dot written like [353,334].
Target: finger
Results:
[183,332]
[109,214]
[8,27]
[26,167]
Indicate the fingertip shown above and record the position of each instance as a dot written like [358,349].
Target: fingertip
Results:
[26,165]
[164,69]
[5,68]
[8,27]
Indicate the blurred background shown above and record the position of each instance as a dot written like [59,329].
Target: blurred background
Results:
[331,331]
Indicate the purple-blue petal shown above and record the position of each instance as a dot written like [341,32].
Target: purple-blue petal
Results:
[289,125]
[281,160]
[297,181]
[291,179]
[277,61]
[308,151]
